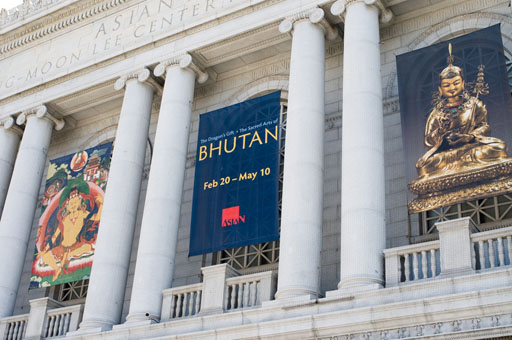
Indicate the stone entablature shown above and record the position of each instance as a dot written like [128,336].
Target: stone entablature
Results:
[149,31]
[53,25]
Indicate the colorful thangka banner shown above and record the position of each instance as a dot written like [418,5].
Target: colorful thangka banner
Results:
[70,216]
[236,180]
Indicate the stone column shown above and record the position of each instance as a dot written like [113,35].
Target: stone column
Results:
[301,220]
[363,233]
[111,261]
[10,136]
[20,203]
[160,223]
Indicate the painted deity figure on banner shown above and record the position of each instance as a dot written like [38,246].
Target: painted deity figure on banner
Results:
[457,132]
[70,217]
[79,211]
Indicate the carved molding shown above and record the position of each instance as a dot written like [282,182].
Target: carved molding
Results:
[315,16]
[8,16]
[440,184]
[37,32]
[134,52]
[183,61]
[79,13]
[40,111]
[459,195]
[10,125]
[340,6]
[485,327]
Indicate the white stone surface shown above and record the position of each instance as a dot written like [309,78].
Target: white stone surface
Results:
[37,317]
[9,143]
[480,308]
[455,239]
[20,205]
[301,219]
[159,231]
[112,254]
[214,292]
[363,228]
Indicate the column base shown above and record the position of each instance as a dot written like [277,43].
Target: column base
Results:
[132,324]
[85,331]
[210,311]
[139,318]
[290,301]
[445,274]
[350,291]
[93,326]
[362,283]
[296,293]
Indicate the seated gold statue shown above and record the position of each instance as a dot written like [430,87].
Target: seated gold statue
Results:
[457,131]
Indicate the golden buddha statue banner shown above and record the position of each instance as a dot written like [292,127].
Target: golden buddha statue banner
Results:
[70,216]
[456,114]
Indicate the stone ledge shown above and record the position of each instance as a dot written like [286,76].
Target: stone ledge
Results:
[464,307]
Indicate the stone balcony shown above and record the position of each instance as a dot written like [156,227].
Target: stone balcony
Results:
[459,287]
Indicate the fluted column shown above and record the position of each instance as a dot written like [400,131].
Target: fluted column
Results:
[160,223]
[10,136]
[107,284]
[363,234]
[301,220]
[21,200]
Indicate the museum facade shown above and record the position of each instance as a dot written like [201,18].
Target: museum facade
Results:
[351,261]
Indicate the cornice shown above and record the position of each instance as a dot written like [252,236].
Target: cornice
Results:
[83,10]
[258,5]
[58,23]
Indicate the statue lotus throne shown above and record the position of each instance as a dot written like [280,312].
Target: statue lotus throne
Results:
[462,161]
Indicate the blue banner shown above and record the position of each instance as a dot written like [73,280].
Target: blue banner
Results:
[236,179]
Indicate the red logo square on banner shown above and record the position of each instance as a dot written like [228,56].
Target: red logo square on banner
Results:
[232,216]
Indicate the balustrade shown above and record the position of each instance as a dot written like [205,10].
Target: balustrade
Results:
[412,263]
[181,302]
[223,289]
[248,291]
[14,327]
[460,250]
[45,320]
[59,321]
[492,249]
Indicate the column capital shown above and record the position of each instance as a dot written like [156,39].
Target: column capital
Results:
[339,7]
[184,61]
[40,111]
[143,75]
[315,16]
[9,124]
